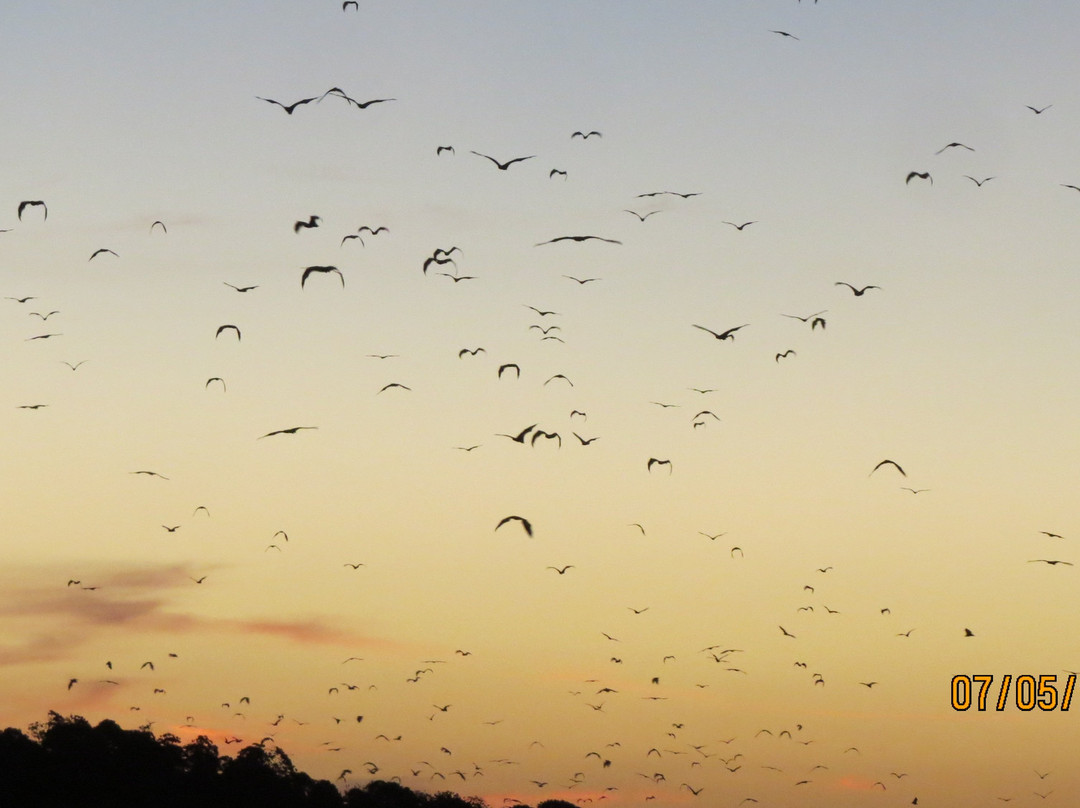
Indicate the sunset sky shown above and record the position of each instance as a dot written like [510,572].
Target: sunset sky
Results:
[962,368]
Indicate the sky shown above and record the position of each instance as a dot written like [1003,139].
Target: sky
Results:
[670,627]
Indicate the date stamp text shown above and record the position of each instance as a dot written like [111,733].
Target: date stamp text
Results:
[1025,692]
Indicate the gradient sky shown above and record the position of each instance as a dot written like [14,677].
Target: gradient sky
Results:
[962,368]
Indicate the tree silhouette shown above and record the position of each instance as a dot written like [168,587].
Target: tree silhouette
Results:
[66,762]
[384,794]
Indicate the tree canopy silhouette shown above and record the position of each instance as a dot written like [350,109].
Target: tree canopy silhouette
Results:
[65,762]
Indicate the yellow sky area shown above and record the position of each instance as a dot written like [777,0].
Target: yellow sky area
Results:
[145,614]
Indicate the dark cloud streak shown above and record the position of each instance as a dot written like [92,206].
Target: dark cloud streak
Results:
[58,620]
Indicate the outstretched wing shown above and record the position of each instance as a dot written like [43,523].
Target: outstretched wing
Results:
[889,463]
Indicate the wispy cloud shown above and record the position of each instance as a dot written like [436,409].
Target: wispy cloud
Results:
[315,631]
[40,647]
[52,620]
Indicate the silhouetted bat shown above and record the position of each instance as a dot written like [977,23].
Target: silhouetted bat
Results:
[309,270]
[290,107]
[524,523]
[507,164]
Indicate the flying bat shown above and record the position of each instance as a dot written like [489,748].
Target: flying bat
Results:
[654,462]
[359,104]
[288,107]
[669,193]
[549,435]
[807,317]
[313,221]
[889,463]
[98,252]
[953,145]
[364,105]
[290,431]
[33,202]
[854,291]
[729,334]
[524,523]
[924,175]
[435,259]
[224,327]
[559,376]
[507,164]
[578,238]
[309,270]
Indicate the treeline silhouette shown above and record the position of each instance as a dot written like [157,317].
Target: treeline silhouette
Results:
[67,763]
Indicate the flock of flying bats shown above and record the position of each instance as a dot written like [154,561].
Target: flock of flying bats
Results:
[531,435]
